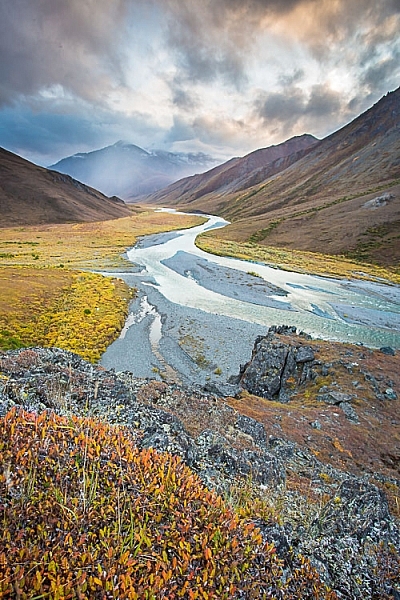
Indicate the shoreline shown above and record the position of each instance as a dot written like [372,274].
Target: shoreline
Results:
[204,349]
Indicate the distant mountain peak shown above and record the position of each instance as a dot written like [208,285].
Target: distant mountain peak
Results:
[128,171]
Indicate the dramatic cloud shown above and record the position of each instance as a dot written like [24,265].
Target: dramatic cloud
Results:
[293,111]
[223,75]
[74,44]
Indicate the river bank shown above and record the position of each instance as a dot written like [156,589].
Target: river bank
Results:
[195,316]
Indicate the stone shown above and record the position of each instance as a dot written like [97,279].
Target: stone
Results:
[349,412]
[334,398]
[390,394]
[253,428]
[263,467]
[359,508]
[277,368]
[304,354]
[388,350]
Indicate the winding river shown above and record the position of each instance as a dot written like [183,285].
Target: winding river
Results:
[364,312]
[174,276]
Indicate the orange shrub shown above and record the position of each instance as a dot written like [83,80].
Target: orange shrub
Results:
[85,514]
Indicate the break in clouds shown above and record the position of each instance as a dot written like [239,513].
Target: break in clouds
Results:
[224,76]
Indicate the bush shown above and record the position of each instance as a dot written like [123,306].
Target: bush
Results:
[86,514]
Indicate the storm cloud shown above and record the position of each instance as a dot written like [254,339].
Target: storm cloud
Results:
[74,45]
[224,76]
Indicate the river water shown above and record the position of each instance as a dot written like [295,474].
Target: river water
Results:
[350,311]
[196,316]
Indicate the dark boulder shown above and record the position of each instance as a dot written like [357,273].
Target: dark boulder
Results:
[276,367]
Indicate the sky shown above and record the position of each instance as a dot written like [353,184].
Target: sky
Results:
[223,77]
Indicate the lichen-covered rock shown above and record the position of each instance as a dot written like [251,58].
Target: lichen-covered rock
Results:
[262,467]
[333,397]
[252,428]
[276,368]
[350,412]
[360,509]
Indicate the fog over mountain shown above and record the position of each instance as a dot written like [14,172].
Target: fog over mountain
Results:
[128,171]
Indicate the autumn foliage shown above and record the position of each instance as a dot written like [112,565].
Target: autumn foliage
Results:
[87,514]
[77,311]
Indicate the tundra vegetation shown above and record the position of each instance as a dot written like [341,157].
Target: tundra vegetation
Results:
[48,297]
[86,514]
[297,260]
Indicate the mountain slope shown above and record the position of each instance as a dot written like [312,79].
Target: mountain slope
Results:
[320,201]
[31,195]
[128,171]
[238,173]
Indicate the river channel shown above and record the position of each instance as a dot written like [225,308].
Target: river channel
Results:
[196,315]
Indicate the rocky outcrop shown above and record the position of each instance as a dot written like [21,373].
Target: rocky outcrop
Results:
[348,533]
[276,369]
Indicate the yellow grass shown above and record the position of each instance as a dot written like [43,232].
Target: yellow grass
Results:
[95,246]
[46,299]
[296,260]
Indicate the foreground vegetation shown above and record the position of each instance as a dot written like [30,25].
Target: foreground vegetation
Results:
[296,260]
[86,514]
[45,297]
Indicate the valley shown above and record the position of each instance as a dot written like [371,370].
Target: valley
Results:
[339,195]
[260,357]
[210,310]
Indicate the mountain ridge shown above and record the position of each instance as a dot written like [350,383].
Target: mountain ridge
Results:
[313,201]
[231,176]
[32,195]
[129,171]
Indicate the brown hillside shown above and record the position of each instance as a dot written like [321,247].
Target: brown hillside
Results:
[319,201]
[238,173]
[32,195]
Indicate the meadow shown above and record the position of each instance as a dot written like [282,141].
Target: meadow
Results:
[313,263]
[50,293]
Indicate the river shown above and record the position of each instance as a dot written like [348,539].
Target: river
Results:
[181,288]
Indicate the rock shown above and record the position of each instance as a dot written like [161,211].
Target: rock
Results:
[277,368]
[263,467]
[378,202]
[170,437]
[349,412]
[222,389]
[262,376]
[279,535]
[359,509]
[253,428]
[304,354]
[332,397]
[388,350]
[325,369]
[390,394]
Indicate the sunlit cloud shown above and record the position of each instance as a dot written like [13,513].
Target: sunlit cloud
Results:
[226,75]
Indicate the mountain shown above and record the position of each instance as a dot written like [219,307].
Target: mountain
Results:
[129,172]
[339,194]
[238,173]
[32,195]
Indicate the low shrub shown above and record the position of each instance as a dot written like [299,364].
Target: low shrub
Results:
[86,514]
